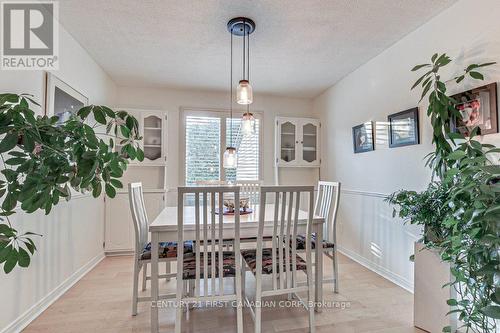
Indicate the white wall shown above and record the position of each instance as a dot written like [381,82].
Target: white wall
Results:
[72,241]
[171,101]
[469,31]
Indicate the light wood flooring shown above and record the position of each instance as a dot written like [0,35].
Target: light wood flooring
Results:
[101,302]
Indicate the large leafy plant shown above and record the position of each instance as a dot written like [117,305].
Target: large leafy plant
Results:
[43,160]
[460,210]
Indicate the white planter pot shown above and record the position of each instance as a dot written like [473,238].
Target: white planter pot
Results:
[430,298]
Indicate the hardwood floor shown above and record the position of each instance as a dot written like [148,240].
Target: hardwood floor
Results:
[101,302]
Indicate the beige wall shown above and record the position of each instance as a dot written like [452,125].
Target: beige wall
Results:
[469,31]
[172,100]
[72,241]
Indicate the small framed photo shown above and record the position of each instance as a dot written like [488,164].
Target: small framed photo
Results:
[404,128]
[478,108]
[362,138]
[62,99]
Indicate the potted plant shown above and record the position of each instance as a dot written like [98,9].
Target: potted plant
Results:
[460,209]
[43,158]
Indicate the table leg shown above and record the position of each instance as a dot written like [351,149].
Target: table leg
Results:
[318,284]
[154,282]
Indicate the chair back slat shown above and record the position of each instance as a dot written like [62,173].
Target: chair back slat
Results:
[327,202]
[197,235]
[209,233]
[139,216]
[250,189]
[285,227]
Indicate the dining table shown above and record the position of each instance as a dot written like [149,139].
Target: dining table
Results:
[164,228]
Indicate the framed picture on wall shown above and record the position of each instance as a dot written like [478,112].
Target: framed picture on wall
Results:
[478,108]
[403,128]
[362,137]
[62,100]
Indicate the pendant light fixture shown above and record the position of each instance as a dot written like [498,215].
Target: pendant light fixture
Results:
[243,27]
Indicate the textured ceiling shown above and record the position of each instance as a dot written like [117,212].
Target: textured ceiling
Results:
[299,48]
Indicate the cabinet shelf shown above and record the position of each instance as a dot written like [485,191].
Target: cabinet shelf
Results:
[309,149]
[288,149]
[152,146]
[153,128]
[287,133]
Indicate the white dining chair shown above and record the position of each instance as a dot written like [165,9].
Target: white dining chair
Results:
[210,264]
[327,203]
[142,253]
[281,261]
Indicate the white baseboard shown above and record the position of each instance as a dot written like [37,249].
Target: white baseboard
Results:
[27,317]
[382,271]
[115,253]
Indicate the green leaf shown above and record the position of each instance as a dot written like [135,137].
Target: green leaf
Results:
[99,115]
[476,75]
[8,143]
[23,258]
[116,183]
[11,261]
[456,155]
[110,191]
[492,311]
[84,112]
[140,154]
[125,131]
[416,68]
[96,191]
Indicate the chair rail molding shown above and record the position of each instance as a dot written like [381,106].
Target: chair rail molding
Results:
[365,193]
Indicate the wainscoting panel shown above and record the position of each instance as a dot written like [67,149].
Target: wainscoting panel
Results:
[368,234]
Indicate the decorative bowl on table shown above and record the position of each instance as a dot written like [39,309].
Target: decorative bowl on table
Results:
[229,204]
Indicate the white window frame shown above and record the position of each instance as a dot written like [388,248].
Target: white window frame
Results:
[223,114]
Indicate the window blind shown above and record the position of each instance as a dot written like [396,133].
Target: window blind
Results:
[203,135]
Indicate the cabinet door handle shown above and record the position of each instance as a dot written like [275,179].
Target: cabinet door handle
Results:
[302,142]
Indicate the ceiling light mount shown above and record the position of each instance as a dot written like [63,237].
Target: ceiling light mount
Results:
[241,26]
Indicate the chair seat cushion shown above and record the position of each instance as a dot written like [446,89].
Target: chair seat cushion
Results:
[301,242]
[166,250]
[228,265]
[253,238]
[250,256]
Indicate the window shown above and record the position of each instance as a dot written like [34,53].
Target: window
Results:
[207,134]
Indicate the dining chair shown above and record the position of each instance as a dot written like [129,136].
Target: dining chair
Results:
[142,253]
[209,264]
[327,203]
[281,261]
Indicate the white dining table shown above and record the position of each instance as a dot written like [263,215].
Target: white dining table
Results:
[164,229]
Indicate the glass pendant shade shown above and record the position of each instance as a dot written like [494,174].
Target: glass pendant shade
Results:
[244,94]
[230,159]
[248,124]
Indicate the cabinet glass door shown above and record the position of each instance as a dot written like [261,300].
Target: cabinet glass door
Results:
[153,137]
[288,140]
[310,142]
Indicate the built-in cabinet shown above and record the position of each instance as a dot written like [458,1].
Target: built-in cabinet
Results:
[297,142]
[119,230]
